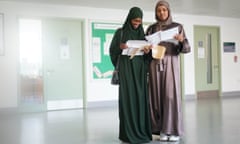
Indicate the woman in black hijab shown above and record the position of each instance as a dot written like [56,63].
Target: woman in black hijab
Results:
[134,116]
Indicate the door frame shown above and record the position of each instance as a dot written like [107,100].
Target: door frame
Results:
[182,82]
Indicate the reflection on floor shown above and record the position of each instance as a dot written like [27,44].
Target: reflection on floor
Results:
[207,121]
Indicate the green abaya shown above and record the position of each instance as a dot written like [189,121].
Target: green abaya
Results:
[134,116]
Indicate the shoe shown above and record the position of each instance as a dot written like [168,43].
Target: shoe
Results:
[156,133]
[174,138]
[163,137]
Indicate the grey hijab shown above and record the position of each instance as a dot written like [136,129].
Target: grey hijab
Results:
[168,21]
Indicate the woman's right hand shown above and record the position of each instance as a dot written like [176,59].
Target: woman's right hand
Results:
[147,49]
[123,46]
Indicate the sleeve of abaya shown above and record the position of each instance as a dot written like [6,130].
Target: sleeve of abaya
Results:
[184,46]
[114,49]
[148,57]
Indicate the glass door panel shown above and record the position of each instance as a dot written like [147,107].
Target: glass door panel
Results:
[30,68]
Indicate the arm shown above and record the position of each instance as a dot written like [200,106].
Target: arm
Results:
[183,42]
[115,49]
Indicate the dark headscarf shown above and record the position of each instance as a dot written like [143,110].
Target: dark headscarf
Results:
[169,19]
[129,33]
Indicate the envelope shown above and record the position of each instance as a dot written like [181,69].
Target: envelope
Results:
[158,51]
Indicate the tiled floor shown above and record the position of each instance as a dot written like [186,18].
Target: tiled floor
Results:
[207,121]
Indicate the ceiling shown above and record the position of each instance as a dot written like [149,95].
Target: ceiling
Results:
[221,8]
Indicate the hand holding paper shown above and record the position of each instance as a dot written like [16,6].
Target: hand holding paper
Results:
[135,47]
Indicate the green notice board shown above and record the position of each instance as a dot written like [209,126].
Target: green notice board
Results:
[102,34]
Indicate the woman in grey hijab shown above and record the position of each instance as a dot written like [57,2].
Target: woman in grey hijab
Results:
[164,78]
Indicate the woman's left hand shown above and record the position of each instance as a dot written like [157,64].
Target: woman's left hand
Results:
[179,37]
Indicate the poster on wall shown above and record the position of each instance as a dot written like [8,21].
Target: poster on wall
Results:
[1,35]
[229,47]
[101,37]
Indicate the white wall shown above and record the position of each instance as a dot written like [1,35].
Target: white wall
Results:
[228,33]
[102,90]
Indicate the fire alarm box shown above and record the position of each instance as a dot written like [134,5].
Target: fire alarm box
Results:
[235,58]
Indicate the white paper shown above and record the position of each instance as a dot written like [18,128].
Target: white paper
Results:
[154,38]
[137,43]
[201,53]
[167,35]
[96,50]
[135,47]
[64,52]
[97,72]
[108,38]
[107,73]
[132,51]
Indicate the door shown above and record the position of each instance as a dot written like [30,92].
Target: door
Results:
[207,67]
[63,63]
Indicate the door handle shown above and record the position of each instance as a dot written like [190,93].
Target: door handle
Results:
[50,71]
[216,66]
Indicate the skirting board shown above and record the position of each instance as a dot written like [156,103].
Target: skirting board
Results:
[112,103]
[231,94]
[189,97]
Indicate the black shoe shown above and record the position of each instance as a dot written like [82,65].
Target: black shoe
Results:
[156,133]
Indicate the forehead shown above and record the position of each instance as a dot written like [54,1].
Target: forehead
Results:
[162,7]
[137,19]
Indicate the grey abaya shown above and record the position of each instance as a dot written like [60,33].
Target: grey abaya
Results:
[164,85]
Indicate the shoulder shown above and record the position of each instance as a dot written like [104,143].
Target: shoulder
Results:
[174,24]
[118,30]
[152,25]
[151,28]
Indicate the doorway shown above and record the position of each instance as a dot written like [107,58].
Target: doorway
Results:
[207,61]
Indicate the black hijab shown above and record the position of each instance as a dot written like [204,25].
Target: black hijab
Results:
[129,33]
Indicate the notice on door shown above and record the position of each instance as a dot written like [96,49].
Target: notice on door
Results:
[201,53]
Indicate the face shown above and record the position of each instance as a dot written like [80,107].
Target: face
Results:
[162,13]
[136,22]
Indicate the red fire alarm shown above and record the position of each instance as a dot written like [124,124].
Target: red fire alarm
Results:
[235,58]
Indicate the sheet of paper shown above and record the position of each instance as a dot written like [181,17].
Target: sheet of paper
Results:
[64,52]
[201,53]
[132,51]
[125,51]
[154,38]
[135,47]
[167,35]
[136,51]
[137,43]
[96,49]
